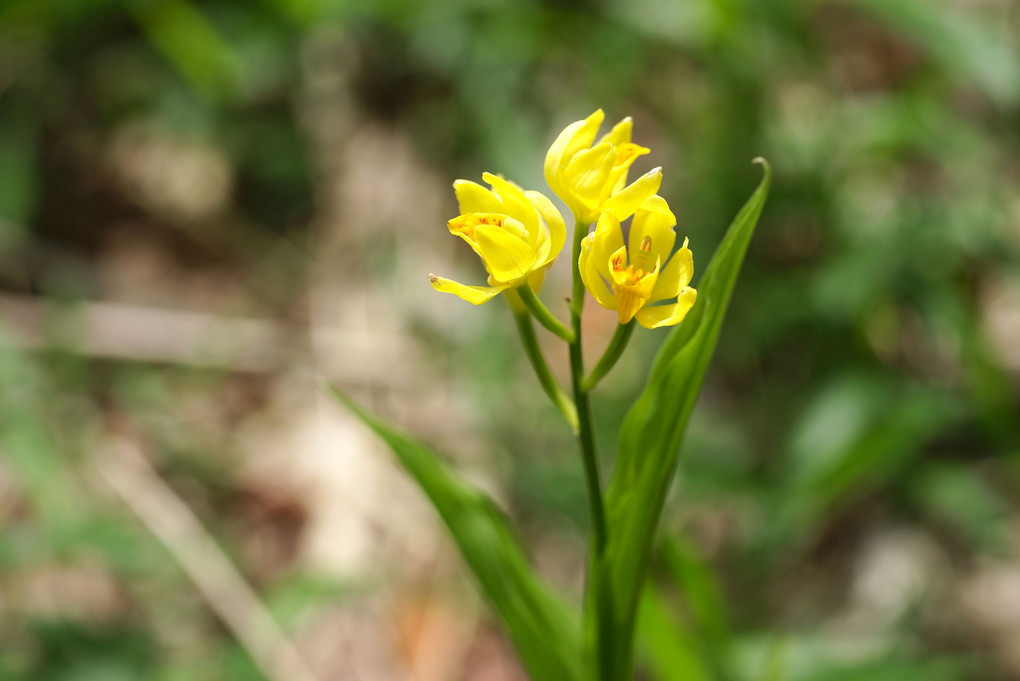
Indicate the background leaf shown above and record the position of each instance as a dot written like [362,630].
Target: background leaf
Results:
[652,430]
[539,624]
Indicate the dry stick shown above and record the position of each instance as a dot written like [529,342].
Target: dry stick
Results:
[170,520]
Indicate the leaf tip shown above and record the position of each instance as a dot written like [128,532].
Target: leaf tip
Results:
[324,385]
[327,387]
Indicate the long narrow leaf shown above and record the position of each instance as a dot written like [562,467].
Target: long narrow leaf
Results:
[671,651]
[545,634]
[653,428]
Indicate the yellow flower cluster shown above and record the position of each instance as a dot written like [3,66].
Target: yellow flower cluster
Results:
[518,233]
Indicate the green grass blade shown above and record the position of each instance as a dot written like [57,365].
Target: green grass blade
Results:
[544,632]
[653,428]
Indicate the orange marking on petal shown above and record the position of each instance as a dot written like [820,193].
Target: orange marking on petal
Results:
[465,224]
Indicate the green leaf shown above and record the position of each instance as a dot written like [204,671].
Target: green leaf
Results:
[543,630]
[669,651]
[653,428]
[700,589]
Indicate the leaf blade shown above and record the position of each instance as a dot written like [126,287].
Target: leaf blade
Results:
[542,629]
[653,428]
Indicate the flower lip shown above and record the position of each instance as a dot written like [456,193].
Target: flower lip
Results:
[466,225]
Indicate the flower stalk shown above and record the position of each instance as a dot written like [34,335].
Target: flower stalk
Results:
[559,398]
[542,314]
[613,352]
[585,435]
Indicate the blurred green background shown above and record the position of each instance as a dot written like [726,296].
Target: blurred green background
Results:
[205,205]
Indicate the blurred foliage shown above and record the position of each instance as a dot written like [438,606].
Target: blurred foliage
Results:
[861,407]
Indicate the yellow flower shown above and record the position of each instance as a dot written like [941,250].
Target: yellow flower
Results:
[630,278]
[593,179]
[516,233]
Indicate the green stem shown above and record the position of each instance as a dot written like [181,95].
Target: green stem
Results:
[531,348]
[542,314]
[589,456]
[586,441]
[613,352]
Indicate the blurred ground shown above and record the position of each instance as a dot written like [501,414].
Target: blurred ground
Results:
[204,206]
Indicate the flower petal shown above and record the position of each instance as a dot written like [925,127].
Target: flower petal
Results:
[667,315]
[624,203]
[553,220]
[476,295]
[653,221]
[542,254]
[506,256]
[474,198]
[463,226]
[515,204]
[585,178]
[554,157]
[675,276]
[620,134]
[593,281]
[626,154]
[607,239]
[576,136]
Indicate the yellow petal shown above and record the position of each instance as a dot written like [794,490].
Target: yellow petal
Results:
[652,228]
[542,252]
[553,221]
[667,315]
[585,178]
[465,226]
[476,295]
[593,281]
[624,203]
[620,134]
[576,136]
[474,198]
[507,257]
[608,238]
[515,204]
[554,157]
[626,154]
[675,276]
